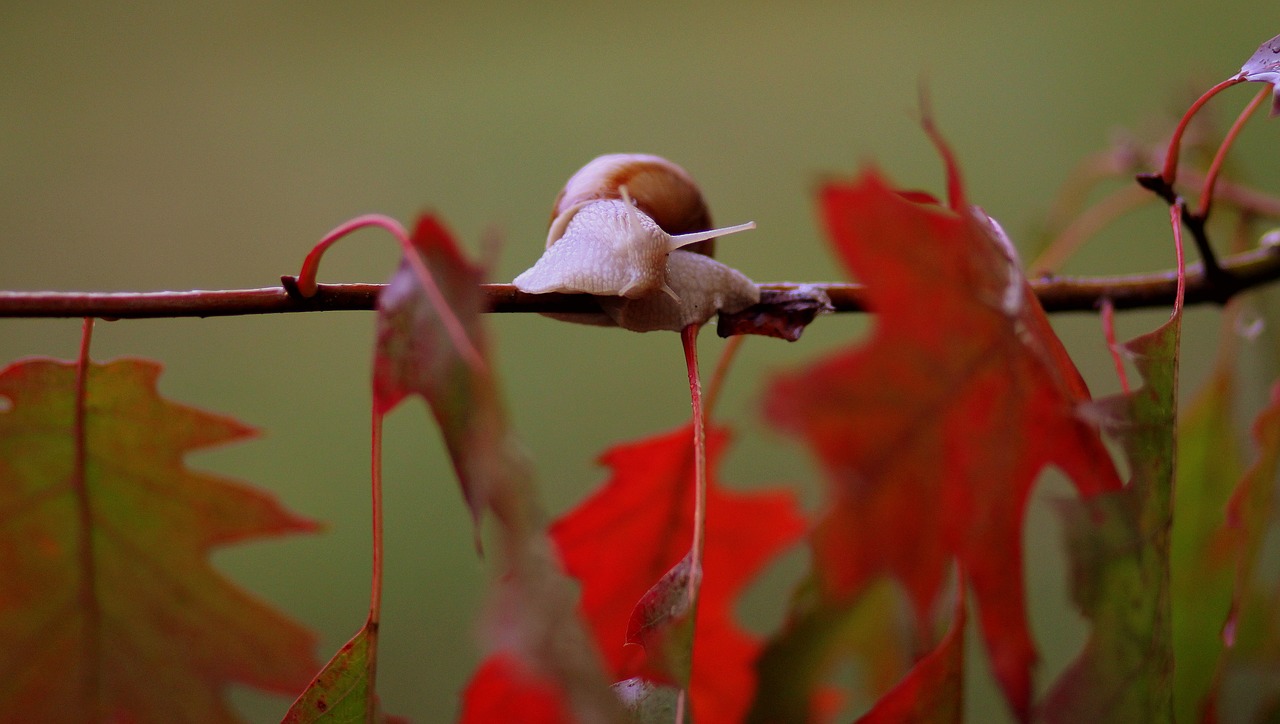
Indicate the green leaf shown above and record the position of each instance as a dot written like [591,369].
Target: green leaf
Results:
[1202,577]
[1119,543]
[110,609]
[341,692]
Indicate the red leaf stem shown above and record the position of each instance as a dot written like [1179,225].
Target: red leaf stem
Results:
[1211,176]
[1170,172]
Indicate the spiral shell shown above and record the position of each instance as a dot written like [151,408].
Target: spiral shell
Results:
[663,190]
[634,230]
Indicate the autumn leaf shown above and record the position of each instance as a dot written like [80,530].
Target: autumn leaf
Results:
[1119,544]
[504,690]
[933,432]
[419,352]
[628,535]
[432,344]
[631,532]
[110,609]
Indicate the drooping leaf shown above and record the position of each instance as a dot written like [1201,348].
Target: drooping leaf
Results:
[1119,544]
[440,354]
[933,432]
[416,354]
[624,538]
[109,608]
[933,691]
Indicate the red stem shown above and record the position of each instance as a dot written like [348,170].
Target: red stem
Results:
[375,593]
[1170,172]
[88,587]
[689,340]
[1211,178]
[1175,220]
[1109,333]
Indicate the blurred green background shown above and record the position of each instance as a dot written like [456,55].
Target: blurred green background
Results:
[161,145]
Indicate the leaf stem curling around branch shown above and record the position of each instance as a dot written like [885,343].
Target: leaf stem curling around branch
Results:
[305,283]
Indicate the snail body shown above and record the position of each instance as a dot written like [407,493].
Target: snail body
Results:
[634,230]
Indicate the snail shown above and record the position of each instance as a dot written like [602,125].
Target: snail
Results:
[634,230]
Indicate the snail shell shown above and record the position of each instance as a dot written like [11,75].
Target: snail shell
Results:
[663,190]
[634,230]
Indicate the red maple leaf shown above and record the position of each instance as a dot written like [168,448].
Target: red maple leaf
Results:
[627,535]
[502,688]
[934,431]
[620,541]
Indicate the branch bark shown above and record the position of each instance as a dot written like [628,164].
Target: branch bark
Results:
[1238,273]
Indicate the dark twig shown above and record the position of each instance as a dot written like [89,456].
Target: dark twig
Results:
[1057,294]
[1215,276]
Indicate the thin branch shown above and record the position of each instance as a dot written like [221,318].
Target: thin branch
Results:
[1160,186]
[1057,294]
[196,303]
